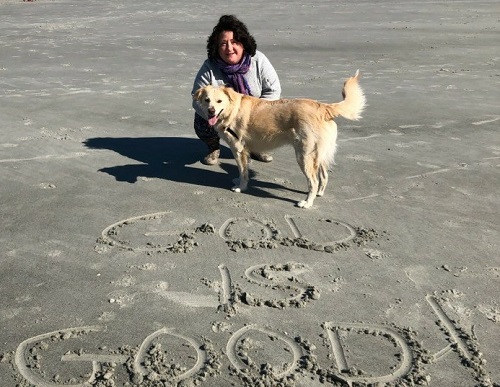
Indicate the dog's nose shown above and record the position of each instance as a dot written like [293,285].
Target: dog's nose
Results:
[211,110]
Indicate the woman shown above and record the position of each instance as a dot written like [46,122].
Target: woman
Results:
[233,60]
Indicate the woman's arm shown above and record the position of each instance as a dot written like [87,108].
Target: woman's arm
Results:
[271,87]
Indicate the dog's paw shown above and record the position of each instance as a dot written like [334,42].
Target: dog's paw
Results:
[239,188]
[304,204]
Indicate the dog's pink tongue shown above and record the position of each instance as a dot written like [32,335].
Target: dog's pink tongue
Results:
[212,121]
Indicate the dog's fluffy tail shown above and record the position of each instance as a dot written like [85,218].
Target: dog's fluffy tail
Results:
[353,104]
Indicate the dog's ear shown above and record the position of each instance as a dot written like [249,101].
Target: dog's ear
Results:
[198,93]
[231,94]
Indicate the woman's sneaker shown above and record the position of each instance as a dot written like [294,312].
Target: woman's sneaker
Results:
[264,157]
[212,157]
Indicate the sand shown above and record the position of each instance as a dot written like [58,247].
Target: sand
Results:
[126,262]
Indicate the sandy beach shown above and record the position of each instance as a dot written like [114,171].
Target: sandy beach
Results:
[124,261]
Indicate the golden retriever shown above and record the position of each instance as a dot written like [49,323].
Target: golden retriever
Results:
[250,124]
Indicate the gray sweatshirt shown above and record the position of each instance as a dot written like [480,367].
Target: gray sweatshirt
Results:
[261,77]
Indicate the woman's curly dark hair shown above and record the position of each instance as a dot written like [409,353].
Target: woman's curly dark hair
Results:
[240,33]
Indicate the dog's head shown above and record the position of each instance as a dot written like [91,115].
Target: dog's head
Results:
[214,101]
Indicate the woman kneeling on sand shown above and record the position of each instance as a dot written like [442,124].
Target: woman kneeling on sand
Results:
[233,60]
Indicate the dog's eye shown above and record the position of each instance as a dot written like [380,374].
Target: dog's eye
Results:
[207,100]
[219,101]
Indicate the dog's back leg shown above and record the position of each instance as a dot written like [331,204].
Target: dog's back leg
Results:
[326,153]
[323,178]
[307,158]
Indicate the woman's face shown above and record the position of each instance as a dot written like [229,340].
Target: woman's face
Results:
[230,50]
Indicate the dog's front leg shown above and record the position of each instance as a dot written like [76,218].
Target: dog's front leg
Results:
[241,155]
[241,158]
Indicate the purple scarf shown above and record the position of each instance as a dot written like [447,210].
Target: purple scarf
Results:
[235,73]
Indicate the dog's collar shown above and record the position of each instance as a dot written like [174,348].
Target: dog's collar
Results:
[232,132]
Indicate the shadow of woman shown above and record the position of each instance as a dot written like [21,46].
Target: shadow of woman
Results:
[173,158]
[170,158]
